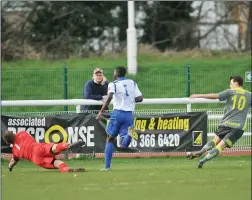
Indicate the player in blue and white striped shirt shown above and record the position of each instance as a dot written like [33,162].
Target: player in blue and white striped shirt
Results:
[125,94]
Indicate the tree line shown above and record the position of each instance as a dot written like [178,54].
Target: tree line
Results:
[70,28]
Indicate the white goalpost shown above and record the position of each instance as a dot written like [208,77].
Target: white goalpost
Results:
[131,40]
[65,102]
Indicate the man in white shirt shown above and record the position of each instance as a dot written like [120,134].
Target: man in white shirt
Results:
[125,94]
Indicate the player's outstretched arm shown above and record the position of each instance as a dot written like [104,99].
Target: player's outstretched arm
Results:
[205,96]
[12,163]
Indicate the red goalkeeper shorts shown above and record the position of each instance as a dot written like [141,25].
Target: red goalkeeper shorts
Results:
[42,155]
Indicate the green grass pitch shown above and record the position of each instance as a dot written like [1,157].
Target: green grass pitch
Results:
[173,178]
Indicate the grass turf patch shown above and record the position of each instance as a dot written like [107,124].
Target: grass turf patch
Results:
[144,178]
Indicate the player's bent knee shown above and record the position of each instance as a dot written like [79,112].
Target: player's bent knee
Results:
[57,163]
[53,149]
[217,140]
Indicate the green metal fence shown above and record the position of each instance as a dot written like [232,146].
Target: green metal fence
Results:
[68,82]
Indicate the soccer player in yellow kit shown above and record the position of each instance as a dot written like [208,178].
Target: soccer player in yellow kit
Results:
[233,123]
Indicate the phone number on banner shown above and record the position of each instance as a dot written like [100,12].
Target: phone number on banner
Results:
[150,140]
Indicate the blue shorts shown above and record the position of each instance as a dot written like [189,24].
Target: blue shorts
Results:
[119,123]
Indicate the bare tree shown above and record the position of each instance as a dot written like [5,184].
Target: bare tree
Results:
[220,18]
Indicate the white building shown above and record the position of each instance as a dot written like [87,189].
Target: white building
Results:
[219,24]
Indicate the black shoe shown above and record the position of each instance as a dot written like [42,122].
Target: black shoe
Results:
[200,165]
[77,170]
[76,146]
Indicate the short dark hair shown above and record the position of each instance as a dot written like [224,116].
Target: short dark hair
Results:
[237,79]
[8,137]
[121,71]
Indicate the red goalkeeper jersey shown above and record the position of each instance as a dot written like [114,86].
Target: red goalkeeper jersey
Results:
[23,145]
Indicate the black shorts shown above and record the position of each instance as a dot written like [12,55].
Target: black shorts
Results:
[229,135]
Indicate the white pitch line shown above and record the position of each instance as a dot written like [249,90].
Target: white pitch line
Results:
[119,184]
